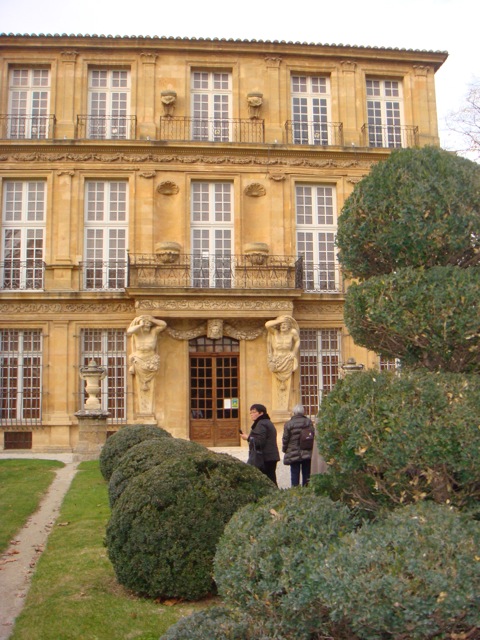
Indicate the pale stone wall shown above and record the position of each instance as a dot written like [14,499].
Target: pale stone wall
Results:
[159,176]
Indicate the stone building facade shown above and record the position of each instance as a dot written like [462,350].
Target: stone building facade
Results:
[169,209]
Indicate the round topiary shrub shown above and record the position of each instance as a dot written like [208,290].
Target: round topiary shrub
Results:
[429,317]
[165,526]
[144,456]
[418,208]
[392,439]
[215,623]
[269,561]
[414,575]
[121,441]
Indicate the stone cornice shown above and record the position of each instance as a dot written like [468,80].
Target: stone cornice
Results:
[285,158]
[215,46]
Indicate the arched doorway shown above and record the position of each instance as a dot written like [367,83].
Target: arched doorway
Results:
[214,391]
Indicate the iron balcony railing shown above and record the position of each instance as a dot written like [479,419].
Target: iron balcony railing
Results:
[22,274]
[390,136]
[183,129]
[324,277]
[106,127]
[23,127]
[323,134]
[101,275]
[215,271]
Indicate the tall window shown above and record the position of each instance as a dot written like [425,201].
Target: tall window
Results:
[384,113]
[388,364]
[212,234]
[211,105]
[109,104]
[107,348]
[23,234]
[29,95]
[310,105]
[320,357]
[20,376]
[316,230]
[106,234]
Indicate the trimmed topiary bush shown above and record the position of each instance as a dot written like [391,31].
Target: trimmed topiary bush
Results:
[429,317]
[396,439]
[144,456]
[119,443]
[269,562]
[165,526]
[215,623]
[418,208]
[414,575]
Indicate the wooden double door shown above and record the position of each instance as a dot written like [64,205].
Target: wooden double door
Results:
[214,392]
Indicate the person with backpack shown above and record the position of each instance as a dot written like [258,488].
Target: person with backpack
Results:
[297,445]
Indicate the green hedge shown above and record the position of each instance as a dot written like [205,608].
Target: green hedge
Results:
[164,528]
[395,439]
[267,561]
[121,441]
[429,317]
[418,208]
[144,456]
[414,575]
[215,623]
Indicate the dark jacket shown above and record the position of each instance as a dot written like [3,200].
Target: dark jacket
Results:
[265,436]
[291,440]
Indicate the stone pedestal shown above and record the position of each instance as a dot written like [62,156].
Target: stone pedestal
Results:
[92,433]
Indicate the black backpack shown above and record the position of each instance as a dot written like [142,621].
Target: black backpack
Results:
[307,436]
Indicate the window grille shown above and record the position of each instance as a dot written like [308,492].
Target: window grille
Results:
[320,357]
[20,377]
[107,347]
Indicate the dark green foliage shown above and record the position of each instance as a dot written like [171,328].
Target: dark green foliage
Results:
[428,317]
[270,557]
[420,207]
[216,623]
[144,456]
[391,440]
[119,443]
[414,575]
[164,528]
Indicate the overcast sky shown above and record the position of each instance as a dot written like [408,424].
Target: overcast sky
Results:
[435,25]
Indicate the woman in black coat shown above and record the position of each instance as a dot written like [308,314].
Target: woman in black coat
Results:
[263,438]
[294,446]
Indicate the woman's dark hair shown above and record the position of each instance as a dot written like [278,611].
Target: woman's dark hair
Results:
[259,407]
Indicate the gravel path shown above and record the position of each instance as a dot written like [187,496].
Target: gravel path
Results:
[17,564]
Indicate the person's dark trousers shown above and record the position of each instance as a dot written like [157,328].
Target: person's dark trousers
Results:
[304,466]
[271,470]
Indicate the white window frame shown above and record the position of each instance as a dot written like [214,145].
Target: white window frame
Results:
[105,235]
[320,358]
[212,234]
[388,364]
[316,229]
[23,234]
[310,109]
[107,348]
[385,118]
[211,96]
[21,355]
[109,104]
[28,103]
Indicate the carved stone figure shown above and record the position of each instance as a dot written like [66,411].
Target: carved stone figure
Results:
[144,361]
[215,329]
[283,343]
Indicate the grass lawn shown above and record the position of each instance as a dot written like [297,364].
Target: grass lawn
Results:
[22,485]
[74,593]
